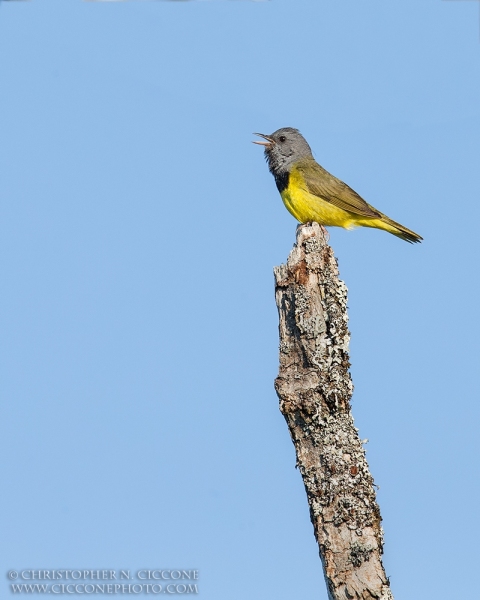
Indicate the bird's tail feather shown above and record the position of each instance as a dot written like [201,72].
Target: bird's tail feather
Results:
[395,228]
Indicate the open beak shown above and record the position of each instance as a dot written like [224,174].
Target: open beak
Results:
[267,144]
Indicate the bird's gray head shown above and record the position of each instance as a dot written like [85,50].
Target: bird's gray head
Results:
[284,147]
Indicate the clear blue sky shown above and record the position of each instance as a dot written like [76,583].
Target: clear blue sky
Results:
[138,329]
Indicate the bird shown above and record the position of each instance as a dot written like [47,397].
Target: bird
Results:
[311,194]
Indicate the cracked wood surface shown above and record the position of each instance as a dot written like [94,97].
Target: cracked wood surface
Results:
[314,387]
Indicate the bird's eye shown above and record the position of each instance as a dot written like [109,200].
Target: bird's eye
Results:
[282,138]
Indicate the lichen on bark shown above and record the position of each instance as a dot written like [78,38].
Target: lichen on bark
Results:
[315,388]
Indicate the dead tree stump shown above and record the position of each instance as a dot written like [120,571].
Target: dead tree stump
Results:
[314,387]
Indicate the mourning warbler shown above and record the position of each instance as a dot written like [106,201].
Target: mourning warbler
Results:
[310,193]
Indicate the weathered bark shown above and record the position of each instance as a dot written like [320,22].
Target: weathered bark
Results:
[314,388]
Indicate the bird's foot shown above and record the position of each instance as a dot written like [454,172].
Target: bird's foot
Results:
[324,230]
[326,235]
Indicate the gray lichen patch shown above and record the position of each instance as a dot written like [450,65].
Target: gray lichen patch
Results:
[315,388]
[360,553]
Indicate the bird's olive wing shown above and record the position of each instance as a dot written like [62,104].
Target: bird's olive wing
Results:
[321,183]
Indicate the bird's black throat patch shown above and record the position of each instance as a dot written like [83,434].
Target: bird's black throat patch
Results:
[282,179]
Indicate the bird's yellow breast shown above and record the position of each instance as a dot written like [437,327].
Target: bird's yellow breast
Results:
[306,207]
